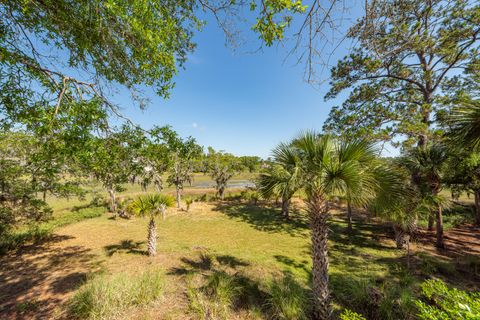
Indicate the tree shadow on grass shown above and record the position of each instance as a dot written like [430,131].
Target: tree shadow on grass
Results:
[265,219]
[35,279]
[364,235]
[303,265]
[207,262]
[128,246]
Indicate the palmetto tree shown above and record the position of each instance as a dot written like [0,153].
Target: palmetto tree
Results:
[330,167]
[283,178]
[151,206]
[464,123]
[427,165]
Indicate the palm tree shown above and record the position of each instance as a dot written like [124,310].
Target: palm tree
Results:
[464,123]
[427,166]
[330,167]
[283,178]
[400,202]
[151,206]
[370,167]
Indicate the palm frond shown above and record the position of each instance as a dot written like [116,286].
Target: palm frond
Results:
[464,123]
[151,204]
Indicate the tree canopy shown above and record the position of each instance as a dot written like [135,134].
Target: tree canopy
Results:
[400,73]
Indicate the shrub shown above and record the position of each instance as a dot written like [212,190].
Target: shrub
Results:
[205,198]
[287,299]
[104,296]
[388,301]
[31,233]
[443,302]
[350,315]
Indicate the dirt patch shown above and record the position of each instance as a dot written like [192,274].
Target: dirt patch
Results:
[459,241]
[36,279]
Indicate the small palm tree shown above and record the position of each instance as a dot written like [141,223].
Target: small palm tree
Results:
[188,202]
[283,179]
[427,166]
[151,206]
[330,167]
[400,204]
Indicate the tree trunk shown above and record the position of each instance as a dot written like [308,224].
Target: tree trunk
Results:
[152,237]
[113,201]
[440,243]
[400,237]
[477,207]
[408,251]
[349,217]
[221,193]
[179,197]
[318,210]
[285,208]
[431,221]
[163,210]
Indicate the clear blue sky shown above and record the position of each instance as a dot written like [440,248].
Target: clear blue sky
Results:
[243,103]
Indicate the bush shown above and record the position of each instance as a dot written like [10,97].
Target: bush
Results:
[442,302]
[104,296]
[32,233]
[250,195]
[350,315]
[288,299]
[387,301]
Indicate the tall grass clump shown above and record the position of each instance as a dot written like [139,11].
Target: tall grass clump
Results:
[288,299]
[105,296]
[216,297]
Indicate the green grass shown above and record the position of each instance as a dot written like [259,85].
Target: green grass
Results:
[42,231]
[254,245]
[287,299]
[104,297]
[241,261]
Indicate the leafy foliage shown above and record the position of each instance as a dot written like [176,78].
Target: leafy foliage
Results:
[151,205]
[443,302]
[350,315]
[402,68]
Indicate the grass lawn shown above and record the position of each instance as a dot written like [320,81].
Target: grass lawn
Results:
[251,245]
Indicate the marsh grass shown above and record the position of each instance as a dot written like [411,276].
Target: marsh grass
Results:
[105,296]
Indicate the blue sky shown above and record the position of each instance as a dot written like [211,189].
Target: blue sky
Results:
[243,103]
